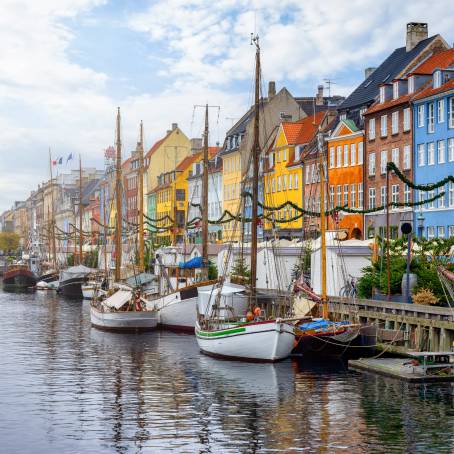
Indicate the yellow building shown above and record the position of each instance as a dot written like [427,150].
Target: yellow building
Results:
[171,195]
[283,179]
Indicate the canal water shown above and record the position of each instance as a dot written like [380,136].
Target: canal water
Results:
[68,388]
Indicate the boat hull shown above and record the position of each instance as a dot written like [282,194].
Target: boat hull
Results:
[72,288]
[178,315]
[88,291]
[19,279]
[125,321]
[267,341]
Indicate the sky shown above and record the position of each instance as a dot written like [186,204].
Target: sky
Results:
[67,64]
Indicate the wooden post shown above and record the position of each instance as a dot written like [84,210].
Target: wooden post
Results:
[388,260]
[322,228]
[81,235]
[118,230]
[205,201]
[141,225]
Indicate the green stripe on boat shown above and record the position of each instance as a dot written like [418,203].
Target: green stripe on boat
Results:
[221,333]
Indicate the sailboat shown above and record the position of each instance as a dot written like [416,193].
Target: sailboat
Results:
[323,336]
[266,332]
[178,308]
[124,307]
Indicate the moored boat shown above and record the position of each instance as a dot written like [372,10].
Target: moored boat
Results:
[72,279]
[18,277]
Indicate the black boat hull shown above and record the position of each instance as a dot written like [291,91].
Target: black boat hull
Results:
[72,288]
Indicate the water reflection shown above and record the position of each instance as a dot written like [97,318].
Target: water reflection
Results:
[66,387]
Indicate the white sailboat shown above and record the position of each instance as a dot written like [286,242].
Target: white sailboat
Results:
[125,309]
[266,333]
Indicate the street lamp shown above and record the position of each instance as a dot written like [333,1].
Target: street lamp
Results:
[420,220]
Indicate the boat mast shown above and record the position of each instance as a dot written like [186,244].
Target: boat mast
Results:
[52,216]
[81,237]
[205,200]
[255,167]
[141,225]
[118,230]
[322,225]
[105,226]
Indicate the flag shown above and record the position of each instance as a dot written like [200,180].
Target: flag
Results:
[54,162]
[60,161]
[70,156]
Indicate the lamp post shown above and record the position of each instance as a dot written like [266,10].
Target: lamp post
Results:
[420,220]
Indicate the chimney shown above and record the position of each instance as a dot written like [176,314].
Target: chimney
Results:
[416,32]
[271,89]
[174,126]
[368,72]
[319,96]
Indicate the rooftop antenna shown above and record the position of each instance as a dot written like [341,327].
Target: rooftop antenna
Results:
[328,83]
[232,119]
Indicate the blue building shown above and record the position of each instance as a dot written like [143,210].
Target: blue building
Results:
[433,142]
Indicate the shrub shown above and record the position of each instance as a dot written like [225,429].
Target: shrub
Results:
[425,296]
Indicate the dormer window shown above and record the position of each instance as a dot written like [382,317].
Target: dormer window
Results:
[437,79]
[395,90]
[411,84]
[343,116]
[382,95]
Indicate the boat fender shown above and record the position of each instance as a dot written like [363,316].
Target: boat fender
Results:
[249,316]
[257,311]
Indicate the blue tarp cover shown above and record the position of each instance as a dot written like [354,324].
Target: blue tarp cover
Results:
[196,262]
[320,324]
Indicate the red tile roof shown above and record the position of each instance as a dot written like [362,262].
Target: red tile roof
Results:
[440,60]
[187,161]
[429,91]
[309,126]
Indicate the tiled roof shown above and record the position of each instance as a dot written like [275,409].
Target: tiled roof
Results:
[429,91]
[156,145]
[366,92]
[440,60]
[309,126]
[187,161]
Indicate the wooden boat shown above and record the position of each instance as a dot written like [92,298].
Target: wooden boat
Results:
[18,277]
[265,334]
[72,279]
[125,310]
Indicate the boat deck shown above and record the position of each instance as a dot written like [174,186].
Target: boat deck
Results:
[396,368]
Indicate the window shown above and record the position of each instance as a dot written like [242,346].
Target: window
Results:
[440,110]
[430,154]
[407,193]
[371,198]
[407,119]
[372,129]
[395,193]
[451,230]
[451,194]
[339,195]
[395,122]
[441,200]
[451,112]
[430,232]
[437,79]
[383,161]
[353,154]
[271,160]
[430,118]
[382,95]
[411,84]
[278,183]
[421,155]
[441,152]
[296,181]
[362,111]
[441,231]
[384,125]
[339,156]
[290,181]
[345,194]
[395,90]
[371,164]
[360,196]
[331,157]
[395,156]
[407,157]
[383,196]
[278,156]
[353,196]
[284,155]
[307,174]
[345,155]
[179,195]
[421,116]
[331,196]
[431,195]
[273,184]
[284,182]
[360,152]
[451,149]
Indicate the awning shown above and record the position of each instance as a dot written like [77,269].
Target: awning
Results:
[118,299]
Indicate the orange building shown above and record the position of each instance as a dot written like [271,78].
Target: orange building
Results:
[345,177]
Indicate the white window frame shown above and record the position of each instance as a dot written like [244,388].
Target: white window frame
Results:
[407,157]
[382,95]
[451,194]
[441,200]
[296,181]
[437,79]
[339,156]
[395,193]
[431,195]
[384,125]
[451,112]
[360,196]
[339,195]
[431,117]
[383,161]
[372,164]
[431,153]
[345,155]
[360,153]
[441,231]
[421,116]
[407,193]
[451,230]
[353,196]
[411,84]
[395,156]
[371,201]
[441,152]
[383,196]
[407,119]
[345,198]
[372,129]
[395,89]
[430,232]
[331,196]
[290,181]
[421,154]
[441,111]
[353,154]
[395,122]
[451,149]
[332,155]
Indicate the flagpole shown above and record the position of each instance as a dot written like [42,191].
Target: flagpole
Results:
[80,210]
[52,220]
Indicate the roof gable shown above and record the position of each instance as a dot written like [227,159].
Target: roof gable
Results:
[344,128]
